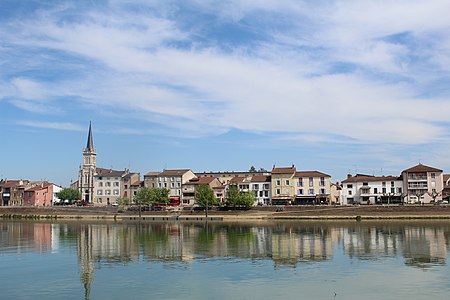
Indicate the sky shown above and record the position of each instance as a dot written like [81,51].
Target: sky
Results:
[335,86]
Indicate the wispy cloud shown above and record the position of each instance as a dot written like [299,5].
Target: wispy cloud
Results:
[353,69]
[51,125]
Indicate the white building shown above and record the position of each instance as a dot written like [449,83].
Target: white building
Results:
[260,186]
[367,189]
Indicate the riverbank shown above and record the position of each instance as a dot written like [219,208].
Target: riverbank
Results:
[258,213]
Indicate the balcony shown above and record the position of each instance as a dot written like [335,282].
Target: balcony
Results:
[365,190]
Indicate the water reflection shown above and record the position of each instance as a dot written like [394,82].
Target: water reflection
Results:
[420,245]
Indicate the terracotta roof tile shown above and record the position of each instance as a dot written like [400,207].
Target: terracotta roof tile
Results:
[260,178]
[368,178]
[422,168]
[310,174]
[288,170]
[109,172]
[173,172]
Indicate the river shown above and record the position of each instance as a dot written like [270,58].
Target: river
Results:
[217,260]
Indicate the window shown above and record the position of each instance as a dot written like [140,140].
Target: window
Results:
[365,183]
[115,183]
[322,181]
[256,186]
[349,186]
[350,193]
[433,175]
[108,184]
[399,190]
[100,184]
[99,192]
[172,178]
[266,186]
[278,191]
[160,184]
[126,186]
[288,182]
[392,184]
[384,184]
[165,184]
[116,192]
[261,194]
[323,191]
[99,200]
[300,192]
[311,181]
[311,192]
[375,190]
[393,190]
[165,179]
[172,184]
[266,193]
[300,182]
[178,184]
[384,190]
[278,182]
[107,192]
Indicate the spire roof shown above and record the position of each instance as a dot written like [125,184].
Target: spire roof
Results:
[90,141]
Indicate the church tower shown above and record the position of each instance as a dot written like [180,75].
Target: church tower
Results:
[87,170]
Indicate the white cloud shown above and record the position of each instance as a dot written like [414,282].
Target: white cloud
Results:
[51,125]
[200,90]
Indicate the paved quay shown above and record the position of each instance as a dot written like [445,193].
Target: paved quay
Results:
[259,213]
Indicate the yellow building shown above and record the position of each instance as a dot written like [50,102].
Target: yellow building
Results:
[283,185]
[312,187]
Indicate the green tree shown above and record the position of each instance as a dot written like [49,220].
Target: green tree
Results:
[242,199]
[69,194]
[123,201]
[204,196]
[143,196]
[246,199]
[159,196]
[252,169]
[147,196]
[233,195]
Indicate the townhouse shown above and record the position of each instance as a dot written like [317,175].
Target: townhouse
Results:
[189,189]
[313,187]
[107,185]
[368,189]
[283,185]
[43,194]
[174,180]
[8,192]
[260,186]
[423,184]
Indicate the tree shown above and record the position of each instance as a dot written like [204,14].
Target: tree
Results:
[143,196]
[252,169]
[232,196]
[159,196]
[204,196]
[237,198]
[434,195]
[123,201]
[69,194]
[247,199]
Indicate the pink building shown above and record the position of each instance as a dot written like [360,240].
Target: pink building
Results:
[40,195]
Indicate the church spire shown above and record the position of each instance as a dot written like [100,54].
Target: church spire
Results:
[90,141]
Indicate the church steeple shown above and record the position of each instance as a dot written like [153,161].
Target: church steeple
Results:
[88,169]
[90,141]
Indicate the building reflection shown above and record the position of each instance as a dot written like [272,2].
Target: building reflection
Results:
[421,245]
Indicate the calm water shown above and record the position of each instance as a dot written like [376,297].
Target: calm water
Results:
[291,260]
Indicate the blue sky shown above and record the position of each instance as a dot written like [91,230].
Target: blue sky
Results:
[335,86]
